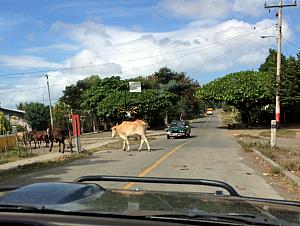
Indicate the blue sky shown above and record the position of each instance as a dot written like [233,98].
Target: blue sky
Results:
[205,39]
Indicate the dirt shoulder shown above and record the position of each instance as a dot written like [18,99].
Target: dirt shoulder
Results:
[286,154]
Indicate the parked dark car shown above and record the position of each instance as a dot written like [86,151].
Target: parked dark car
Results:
[179,129]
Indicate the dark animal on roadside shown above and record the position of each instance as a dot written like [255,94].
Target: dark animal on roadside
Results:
[130,128]
[59,135]
[237,126]
[39,137]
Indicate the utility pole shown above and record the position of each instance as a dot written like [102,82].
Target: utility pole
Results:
[51,118]
[278,68]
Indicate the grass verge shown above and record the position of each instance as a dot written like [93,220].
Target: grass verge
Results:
[288,159]
[287,133]
[15,154]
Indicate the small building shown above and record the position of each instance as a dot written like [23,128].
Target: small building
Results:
[15,117]
[12,112]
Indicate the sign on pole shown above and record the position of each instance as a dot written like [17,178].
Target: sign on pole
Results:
[135,87]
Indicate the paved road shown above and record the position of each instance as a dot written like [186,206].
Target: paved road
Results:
[209,154]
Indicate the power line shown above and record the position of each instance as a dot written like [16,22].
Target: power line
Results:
[28,89]
[145,66]
[87,66]
[220,43]
[291,43]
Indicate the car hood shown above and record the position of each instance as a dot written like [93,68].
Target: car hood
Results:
[176,128]
[81,197]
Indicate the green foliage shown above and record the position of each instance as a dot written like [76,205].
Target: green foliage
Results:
[248,91]
[289,87]
[20,128]
[149,104]
[4,124]
[38,116]
[72,95]
[100,89]
[60,111]
[22,106]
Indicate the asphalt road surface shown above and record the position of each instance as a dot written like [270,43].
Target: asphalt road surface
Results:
[208,154]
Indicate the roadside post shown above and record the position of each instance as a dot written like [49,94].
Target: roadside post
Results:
[273,133]
[76,131]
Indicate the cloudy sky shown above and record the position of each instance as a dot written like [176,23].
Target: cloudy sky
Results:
[70,40]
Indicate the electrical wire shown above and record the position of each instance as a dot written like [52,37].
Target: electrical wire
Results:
[291,43]
[8,75]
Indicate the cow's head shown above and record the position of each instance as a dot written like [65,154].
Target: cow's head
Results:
[113,131]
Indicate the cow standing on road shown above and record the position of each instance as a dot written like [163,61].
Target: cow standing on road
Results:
[130,128]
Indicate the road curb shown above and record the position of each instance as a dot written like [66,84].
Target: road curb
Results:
[291,177]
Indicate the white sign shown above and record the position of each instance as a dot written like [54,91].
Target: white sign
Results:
[135,87]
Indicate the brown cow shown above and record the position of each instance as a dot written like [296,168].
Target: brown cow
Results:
[130,128]
[39,136]
[59,135]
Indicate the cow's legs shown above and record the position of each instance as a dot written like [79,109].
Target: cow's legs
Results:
[51,145]
[59,146]
[127,142]
[63,151]
[142,141]
[146,140]
[124,144]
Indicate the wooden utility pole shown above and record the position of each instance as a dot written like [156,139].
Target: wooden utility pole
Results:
[278,68]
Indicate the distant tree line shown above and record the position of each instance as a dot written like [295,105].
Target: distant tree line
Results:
[253,92]
[108,99]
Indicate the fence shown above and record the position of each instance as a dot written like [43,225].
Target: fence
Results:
[9,141]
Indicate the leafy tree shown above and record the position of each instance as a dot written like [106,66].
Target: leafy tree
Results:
[72,95]
[22,106]
[289,87]
[248,91]
[60,111]
[151,105]
[179,84]
[4,124]
[38,116]
[100,89]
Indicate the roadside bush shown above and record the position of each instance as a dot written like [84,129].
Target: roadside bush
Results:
[20,128]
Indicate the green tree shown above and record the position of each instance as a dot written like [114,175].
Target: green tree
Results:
[60,111]
[4,124]
[289,87]
[100,89]
[38,116]
[248,91]
[22,106]
[72,95]
[150,105]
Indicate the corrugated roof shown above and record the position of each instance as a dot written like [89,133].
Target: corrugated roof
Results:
[13,110]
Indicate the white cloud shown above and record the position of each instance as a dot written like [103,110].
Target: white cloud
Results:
[198,49]
[195,9]
[26,61]
[60,47]
[249,7]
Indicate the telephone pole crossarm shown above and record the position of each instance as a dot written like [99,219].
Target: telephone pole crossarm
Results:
[280,6]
